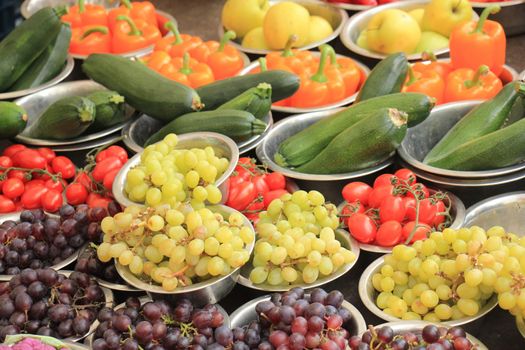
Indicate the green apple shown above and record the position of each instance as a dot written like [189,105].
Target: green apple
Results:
[284,19]
[431,42]
[320,28]
[362,40]
[241,16]
[254,39]
[441,16]
[417,14]
[392,31]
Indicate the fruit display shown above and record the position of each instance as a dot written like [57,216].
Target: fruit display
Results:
[397,209]
[88,262]
[264,26]
[33,342]
[296,243]
[49,303]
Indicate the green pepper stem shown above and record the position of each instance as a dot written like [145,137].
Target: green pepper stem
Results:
[428,56]
[99,29]
[319,76]
[492,9]
[262,64]
[287,52]
[333,56]
[81,6]
[186,64]
[133,26]
[173,28]
[482,70]
[229,35]
[411,76]
[126,3]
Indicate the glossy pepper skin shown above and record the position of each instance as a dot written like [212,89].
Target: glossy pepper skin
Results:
[430,63]
[178,44]
[479,43]
[291,60]
[90,39]
[467,84]
[157,60]
[129,35]
[188,71]
[427,82]
[86,14]
[348,71]
[143,10]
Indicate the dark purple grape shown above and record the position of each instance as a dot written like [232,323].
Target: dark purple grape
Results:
[399,344]
[23,229]
[81,325]
[28,276]
[97,214]
[238,345]
[51,227]
[32,326]
[100,344]
[36,264]
[335,298]
[133,302]
[19,245]
[12,258]
[68,227]
[318,295]
[456,331]
[130,344]
[23,302]
[76,241]
[287,314]
[122,323]
[93,232]
[183,343]
[223,335]
[159,330]
[26,258]
[170,340]
[46,331]
[48,276]
[330,310]
[54,252]
[13,270]
[38,311]
[37,231]
[7,307]
[66,211]
[151,311]
[60,241]
[315,309]
[300,306]
[114,208]
[367,337]
[27,216]
[435,346]
[58,313]
[385,334]
[143,331]
[252,337]
[8,330]
[41,249]
[447,344]
[201,319]
[69,286]
[18,319]
[65,328]
[263,307]
[430,334]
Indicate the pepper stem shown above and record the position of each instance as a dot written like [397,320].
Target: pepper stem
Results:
[99,29]
[186,70]
[520,87]
[133,26]
[492,9]
[319,76]
[262,64]
[229,35]
[411,76]
[287,52]
[173,28]
[482,70]
[126,3]
[81,6]
[428,56]
[333,56]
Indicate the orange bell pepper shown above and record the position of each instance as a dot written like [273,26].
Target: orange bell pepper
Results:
[431,63]
[479,43]
[167,42]
[428,82]
[291,60]
[178,44]
[135,10]
[467,84]
[157,60]
[348,71]
[86,14]
[321,88]
[90,39]
[190,72]
[129,35]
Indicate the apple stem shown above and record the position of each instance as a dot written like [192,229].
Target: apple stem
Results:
[319,76]
[229,35]
[287,52]
[492,9]
[411,76]
[173,28]
[262,64]
[482,70]
[428,56]
[333,57]
[186,70]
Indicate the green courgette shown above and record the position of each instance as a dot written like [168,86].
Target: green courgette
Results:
[386,78]
[49,64]
[25,43]
[284,84]
[257,101]
[143,88]
[110,109]
[67,118]
[487,117]
[239,125]
[306,144]
[362,145]
[13,119]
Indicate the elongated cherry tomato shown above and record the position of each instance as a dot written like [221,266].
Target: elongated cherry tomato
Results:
[104,167]
[19,174]
[440,216]
[64,166]
[43,176]
[30,159]
[76,193]
[47,153]
[427,211]
[5,162]
[420,189]
[11,150]
[32,197]
[108,179]
[58,185]
[392,208]
[357,191]
[52,200]
[421,232]
[119,152]
[383,180]
[389,233]
[34,183]
[350,209]
[84,179]
[275,181]
[362,228]
[6,205]
[256,205]
[239,197]
[406,175]
[378,194]
[13,188]
[271,195]
[261,187]
[95,200]
[410,208]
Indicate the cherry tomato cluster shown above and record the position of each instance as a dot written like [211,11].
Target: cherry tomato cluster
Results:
[33,178]
[396,209]
[252,188]
[362,2]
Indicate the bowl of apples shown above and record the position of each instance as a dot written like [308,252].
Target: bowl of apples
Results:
[353,6]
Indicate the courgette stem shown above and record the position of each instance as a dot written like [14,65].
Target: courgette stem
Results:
[132,25]
[258,127]
[482,70]
[287,52]
[319,76]
[100,29]
[186,70]
[229,35]
[173,29]
[262,64]
[492,9]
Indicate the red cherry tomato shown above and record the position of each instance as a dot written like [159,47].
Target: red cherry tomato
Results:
[30,159]
[108,179]
[420,189]
[239,197]
[55,185]
[410,208]
[5,162]
[427,211]
[236,180]
[357,191]
[32,197]
[47,153]
[19,174]
[11,150]
[421,232]
[64,166]
[352,208]
[256,205]
[406,175]
[43,176]
[76,193]
[275,181]
[261,187]
[6,205]
[362,228]
[84,179]
[378,194]
[95,200]
[383,180]
[271,195]
[440,214]
[13,188]
[113,151]
[52,201]
[389,233]
[35,183]
[392,208]
[105,166]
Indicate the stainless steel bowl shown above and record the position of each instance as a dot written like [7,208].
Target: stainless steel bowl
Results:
[352,8]
[136,133]
[399,327]
[222,145]
[346,241]
[68,68]
[359,21]
[520,324]
[29,7]
[510,16]
[368,295]
[457,211]
[335,16]
[36,104]
[206,292]
[246,313]
[365,71]
[106,140]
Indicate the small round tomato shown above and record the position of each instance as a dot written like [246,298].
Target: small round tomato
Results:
[47,153]
[76,193]
[384,179]
[362,228]
[64,166]
[52,200]
[427,211]
[422,231]
[13,188]
[420,190]
[275,181]
[11,150]
[57,185]
[241,196]
[113,151]
[261,187]
[441,212]
[357,191]
[406,175]
[410,208]
[32,197]
[271,195]
[6,205]
[352,208]
[109,178]
[389,233]
[30,159]
[378,194]
[392,208]
[105,166]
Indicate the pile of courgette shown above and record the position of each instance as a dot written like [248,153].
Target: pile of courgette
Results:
[35,51]
[481,140]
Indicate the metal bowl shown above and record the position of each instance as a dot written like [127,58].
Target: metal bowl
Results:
[365,71]
[399,327]
[106,140]
[136,133]
[342,236]
[246,313]
[335,16]
[222,145]
[368,294]
[457,211]
[206,292]
[359,21]
[510,16]
[29,7]
[36,104]
[352,8]
[520,323]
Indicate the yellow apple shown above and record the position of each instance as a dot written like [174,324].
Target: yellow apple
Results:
[320,28]
[254,39]
[283,20]
[362,40]
[441,16]
[392,31]
[417,14]
[241,16]
[431,42]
